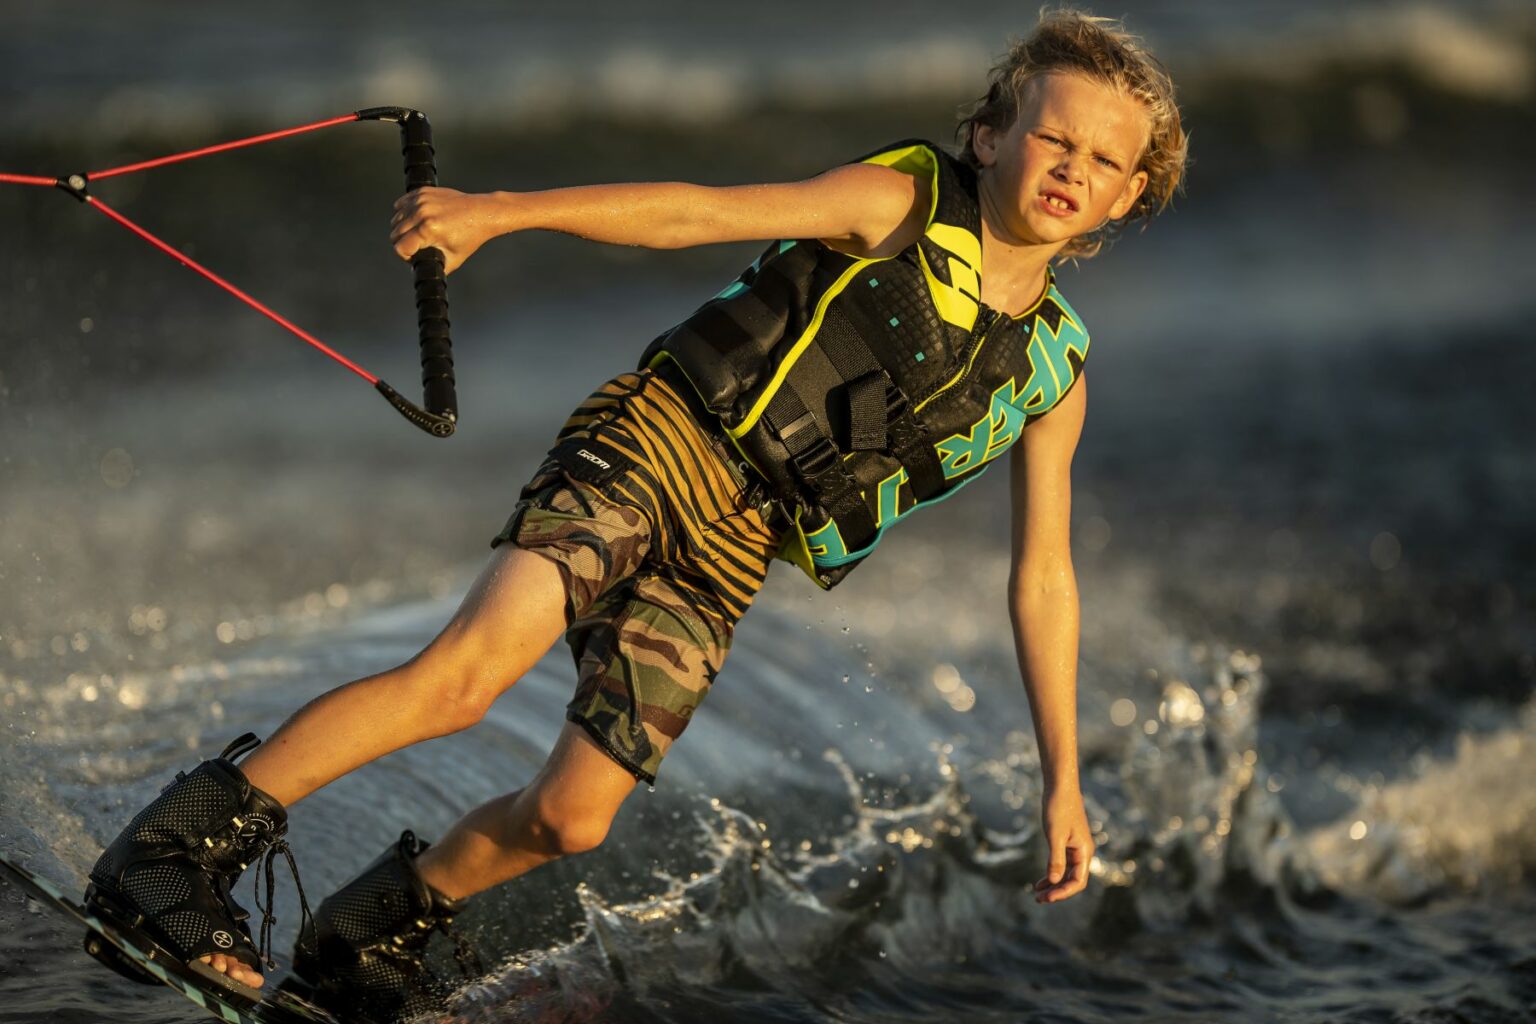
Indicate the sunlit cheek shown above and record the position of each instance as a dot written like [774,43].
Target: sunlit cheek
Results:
[1111,185]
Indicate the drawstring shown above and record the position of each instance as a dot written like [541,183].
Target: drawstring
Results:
[268,917]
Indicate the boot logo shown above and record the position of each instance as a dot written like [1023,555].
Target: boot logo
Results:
[223,939]
[253,825]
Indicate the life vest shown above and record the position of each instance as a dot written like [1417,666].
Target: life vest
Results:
[862,389]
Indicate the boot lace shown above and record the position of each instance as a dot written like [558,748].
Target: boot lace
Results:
[268,915]
[408,948]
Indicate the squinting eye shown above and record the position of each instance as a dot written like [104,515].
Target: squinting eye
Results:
[1105,161]
[1053,140]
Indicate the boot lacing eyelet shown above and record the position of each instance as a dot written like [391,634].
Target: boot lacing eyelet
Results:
[410,948]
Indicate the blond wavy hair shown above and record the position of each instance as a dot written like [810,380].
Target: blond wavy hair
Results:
[1100,49]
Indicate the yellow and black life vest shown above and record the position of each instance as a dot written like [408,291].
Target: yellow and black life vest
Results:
[861,389]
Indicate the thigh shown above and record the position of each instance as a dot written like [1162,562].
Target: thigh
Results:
[512,614]
[646,657]
[582,518]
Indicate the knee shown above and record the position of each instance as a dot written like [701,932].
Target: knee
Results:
[564,827]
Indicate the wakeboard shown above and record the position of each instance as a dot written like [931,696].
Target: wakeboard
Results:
[143,962]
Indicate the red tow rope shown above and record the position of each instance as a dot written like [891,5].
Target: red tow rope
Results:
[440,415]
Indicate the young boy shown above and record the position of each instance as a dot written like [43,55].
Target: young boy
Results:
[902,329]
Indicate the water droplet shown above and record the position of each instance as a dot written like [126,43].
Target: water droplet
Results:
[1095,534]
[1386,551]
[116,468]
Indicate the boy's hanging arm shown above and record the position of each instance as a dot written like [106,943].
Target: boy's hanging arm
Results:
[862,209]
[1043,606]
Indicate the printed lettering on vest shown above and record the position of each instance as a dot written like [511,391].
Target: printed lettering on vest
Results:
[888,505]
[961,453]
[826,544]
[1050,373]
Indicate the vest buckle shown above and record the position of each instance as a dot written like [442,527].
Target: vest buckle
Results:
[816,460]
[810,450]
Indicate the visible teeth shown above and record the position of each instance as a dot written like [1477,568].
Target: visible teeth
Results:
[1058,202]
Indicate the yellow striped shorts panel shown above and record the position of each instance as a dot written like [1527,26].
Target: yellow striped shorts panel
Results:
[662,554]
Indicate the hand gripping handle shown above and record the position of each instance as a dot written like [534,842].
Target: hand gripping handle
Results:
[438,395]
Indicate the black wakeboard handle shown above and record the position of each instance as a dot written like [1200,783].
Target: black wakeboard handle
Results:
[439,396]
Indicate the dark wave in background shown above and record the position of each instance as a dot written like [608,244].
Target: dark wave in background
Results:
[161,67]
[1304,516]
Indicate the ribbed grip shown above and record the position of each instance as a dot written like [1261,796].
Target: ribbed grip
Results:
[438,394]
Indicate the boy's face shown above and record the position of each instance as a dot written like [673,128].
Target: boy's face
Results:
[1067,164]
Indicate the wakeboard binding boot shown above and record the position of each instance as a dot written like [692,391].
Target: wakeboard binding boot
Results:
[365,952]
[165,880]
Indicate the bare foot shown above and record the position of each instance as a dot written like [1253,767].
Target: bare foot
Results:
[236,970]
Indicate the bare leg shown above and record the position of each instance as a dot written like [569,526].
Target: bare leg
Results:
[565,809]
[509,618]
[512,614]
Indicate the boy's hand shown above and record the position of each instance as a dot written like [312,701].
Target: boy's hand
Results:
[454,222]
[1070,843]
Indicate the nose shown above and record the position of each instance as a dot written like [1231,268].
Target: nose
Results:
[1071,168]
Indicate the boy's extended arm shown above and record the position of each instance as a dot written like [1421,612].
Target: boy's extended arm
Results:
[1043,605]
[863,209]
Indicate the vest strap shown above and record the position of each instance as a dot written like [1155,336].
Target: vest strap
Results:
[911,448]
[880,418]
[866,382]
[866,407]
[880,414]
[820,464]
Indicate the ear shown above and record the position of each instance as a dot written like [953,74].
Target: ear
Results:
[984,143]
[1135,185]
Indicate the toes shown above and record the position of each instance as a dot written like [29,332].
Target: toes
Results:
[245,975]
[236,970]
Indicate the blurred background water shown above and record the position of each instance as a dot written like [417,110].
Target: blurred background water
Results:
[1304,518]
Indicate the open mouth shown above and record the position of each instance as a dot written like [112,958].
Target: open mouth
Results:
[1057,203]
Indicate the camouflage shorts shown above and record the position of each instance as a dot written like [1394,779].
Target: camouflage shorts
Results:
[648,626]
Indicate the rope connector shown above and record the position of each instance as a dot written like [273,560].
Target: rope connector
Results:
[395,115]
[75,185]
